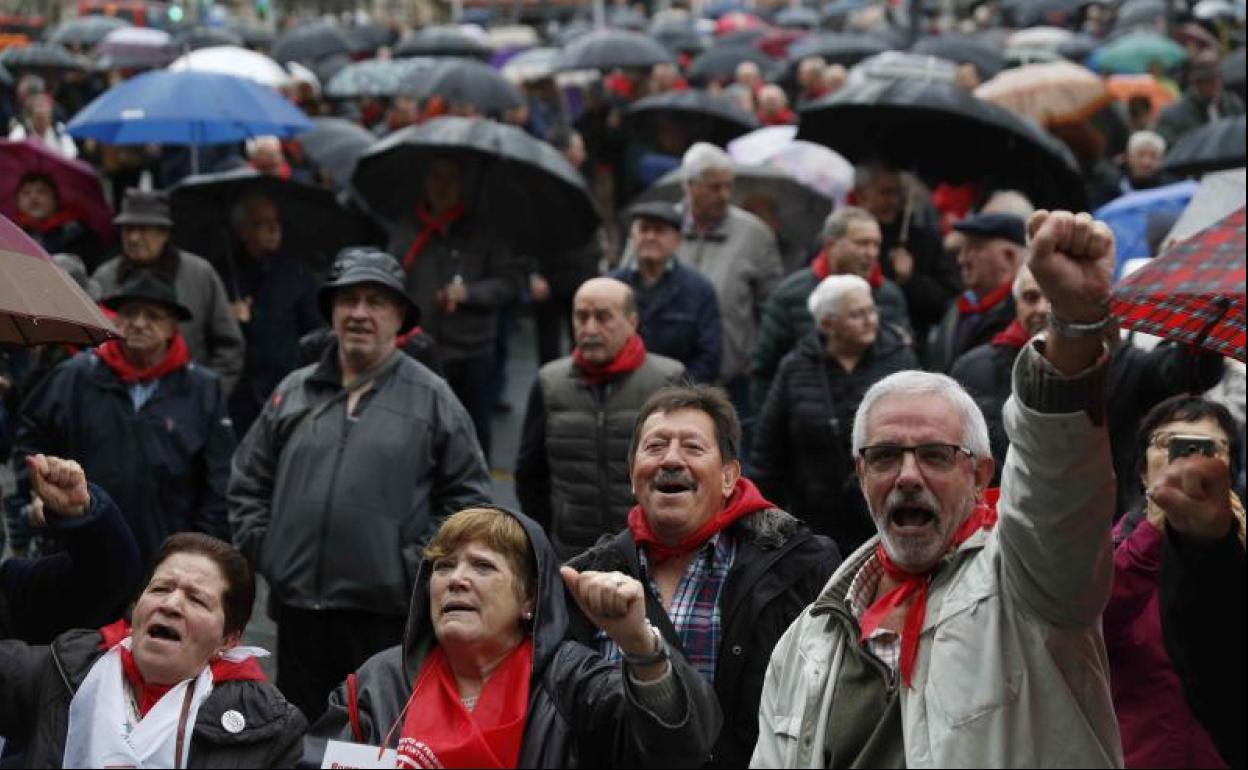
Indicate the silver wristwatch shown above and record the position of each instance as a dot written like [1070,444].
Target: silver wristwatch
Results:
[658,656]
[1072,329]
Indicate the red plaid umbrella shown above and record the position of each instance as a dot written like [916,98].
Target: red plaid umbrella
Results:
[1194,293]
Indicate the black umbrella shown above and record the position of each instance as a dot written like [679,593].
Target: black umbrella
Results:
[1233,72]
[943,133]
[255,36]
[798,18]
[373,77]
[442,41]
[325,69]
[570,32]
[207,37]
[606,49]
[623,17]
[748,36]
[963,49]
[370,37]
[1034,13]
[1078,48]
[464,81]
[526,191]
[1214,146]
[721,61]
[334,145]
[699,115]
[313,42]
[314,226]
[85,31]
[679,38]
[41,56]
[835,48]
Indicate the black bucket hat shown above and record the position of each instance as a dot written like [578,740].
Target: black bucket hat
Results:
[147,286]
[363,264]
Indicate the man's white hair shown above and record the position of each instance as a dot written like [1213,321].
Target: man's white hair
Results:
[825,300]
[701,158]
[914,382]
[1146,138]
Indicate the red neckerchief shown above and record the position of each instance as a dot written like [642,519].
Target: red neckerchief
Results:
[407,336]
[785,117]
[629,359]
[431,226]
[820,267]
[175,358]
[439,731]
[912,587]
[49,223]
[988,302]
[744,500]
[620,85]
[1013,336]
[283,171]
[149,695]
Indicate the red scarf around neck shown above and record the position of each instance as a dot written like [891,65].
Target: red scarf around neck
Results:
[148,695]
[910,595]
[49,223]
[439,731]
[744,500]
[821,267]
[283,171]
[987,302]
[1013,336]
[430,226]
[629,359]
[175,358]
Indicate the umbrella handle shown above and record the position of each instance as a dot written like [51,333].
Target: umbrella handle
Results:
[905,216]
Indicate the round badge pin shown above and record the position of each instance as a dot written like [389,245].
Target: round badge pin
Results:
[233,722]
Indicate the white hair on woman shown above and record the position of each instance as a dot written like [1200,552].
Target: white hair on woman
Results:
[701,158]
[825,300]
[1146,139]
[914,382]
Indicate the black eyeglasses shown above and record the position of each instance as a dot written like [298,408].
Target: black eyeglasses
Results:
[886,458]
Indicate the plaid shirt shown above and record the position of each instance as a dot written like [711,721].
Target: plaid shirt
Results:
[695,610]
[882,643]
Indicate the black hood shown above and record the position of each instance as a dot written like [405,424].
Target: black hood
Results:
[550,614]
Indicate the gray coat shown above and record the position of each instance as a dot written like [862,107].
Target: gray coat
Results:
[335,511]
[212,335]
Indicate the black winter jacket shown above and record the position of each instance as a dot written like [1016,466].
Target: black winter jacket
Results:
[38,683]
[950,339]
[780,568]
[801,456]
[581,712]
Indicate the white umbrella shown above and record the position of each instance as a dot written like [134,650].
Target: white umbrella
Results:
[814,165]
[533,64]
[232,60]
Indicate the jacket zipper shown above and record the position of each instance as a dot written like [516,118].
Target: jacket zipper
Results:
[325,512]
[603,475]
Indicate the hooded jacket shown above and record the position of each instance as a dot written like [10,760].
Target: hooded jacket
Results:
[581,713]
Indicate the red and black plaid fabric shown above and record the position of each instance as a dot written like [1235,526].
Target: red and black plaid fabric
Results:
[1194,293]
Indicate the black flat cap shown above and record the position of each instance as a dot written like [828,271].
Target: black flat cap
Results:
[995,225]
[660,211]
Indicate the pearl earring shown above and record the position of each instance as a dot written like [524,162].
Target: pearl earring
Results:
[528,616]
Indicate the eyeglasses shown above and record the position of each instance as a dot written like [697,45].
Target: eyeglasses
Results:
[887,458]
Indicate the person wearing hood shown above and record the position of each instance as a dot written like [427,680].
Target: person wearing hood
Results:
[50,222]
[171,687]
[801,458]
[486,677]
[146,423]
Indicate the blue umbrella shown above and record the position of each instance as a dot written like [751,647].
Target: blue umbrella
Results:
[1128,216]
[186,107]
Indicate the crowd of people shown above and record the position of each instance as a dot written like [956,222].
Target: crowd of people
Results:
[897,492]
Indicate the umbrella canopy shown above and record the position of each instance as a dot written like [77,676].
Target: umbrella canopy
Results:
[39,303]
[1124,88]
[77,186]
[1079,48]
[314,226]
[1136,13]
[1052,94]
[374,77]
[334,145]
[1209,10]
[209,37]
[1233,69]
[721,61]
[963,49]
[610,48]
[231,60]
[442,41]
[1030,13]
[701,116]
[85,31]
[1134,52]
[313,42]
[534,198]
[1194,293]
[370,37]
[890,120]
[1128,216]
[153,107]
[896,65]
[135,48]
[812,164]
[5,78]
[1219,194]
[835,48]
[737,21]
[1214,146]
[254,35]
[41,56]
[679,38]
[464,81]
[798,18]
[530,65]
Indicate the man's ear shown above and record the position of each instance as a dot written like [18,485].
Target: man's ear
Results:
[984,467]
[634,321]
[730,474]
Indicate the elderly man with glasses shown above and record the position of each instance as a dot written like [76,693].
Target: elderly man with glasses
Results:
[967,632]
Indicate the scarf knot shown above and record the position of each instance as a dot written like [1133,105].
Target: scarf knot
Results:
[431,226]
[1013,336]
[744,500]
[822,268]
[967,306]
[176,357]
[53,221]
[629,359]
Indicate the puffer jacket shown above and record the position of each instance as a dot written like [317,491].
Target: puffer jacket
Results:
[38,683]
[334,511]
[581,712]
[945,345]
[1011,669]
[778,570]
[801,455]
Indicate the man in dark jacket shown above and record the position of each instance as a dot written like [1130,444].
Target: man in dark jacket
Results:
[572,468]
[726,571]
[344,476]
[1203,100]
[801,457]
[145,422]
[676,306]
[995,247]
[851,246]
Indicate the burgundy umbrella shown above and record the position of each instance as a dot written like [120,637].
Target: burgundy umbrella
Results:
[39,303]
[77,185]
